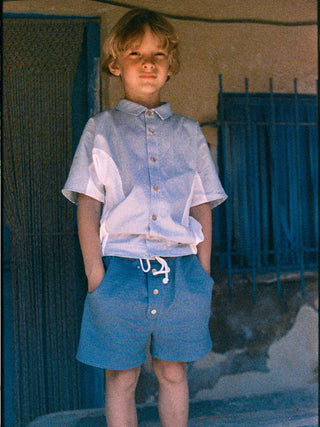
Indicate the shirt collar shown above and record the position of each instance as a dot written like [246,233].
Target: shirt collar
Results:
[163,111]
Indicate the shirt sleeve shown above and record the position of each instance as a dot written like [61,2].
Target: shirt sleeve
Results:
[206,186]
[83,177]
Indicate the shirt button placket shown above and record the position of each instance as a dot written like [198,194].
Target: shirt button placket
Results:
[151,135]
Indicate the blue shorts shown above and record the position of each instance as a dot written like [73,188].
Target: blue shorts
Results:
[130,306]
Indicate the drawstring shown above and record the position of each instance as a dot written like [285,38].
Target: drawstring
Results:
[163,270]
[142,267]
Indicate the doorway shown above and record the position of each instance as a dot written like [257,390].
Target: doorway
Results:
[50,88]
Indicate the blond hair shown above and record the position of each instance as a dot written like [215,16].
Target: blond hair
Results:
[131,28]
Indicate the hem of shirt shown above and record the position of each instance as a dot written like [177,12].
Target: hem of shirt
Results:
[217,202]
[142,254]
[73,195]
[214,200]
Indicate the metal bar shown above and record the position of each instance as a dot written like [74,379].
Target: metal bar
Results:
[271,252]
[11,15]
[252,199]
[231,122]
[275,191]
[93,66]
[94,107]
[298,177]
[228,206]
[264,195]
[284,268]
[288,221]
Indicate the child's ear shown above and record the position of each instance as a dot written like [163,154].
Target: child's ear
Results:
[114,68]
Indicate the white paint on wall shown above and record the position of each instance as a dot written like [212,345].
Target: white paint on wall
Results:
[293,363]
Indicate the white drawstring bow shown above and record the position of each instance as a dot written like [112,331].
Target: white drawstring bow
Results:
[165,269]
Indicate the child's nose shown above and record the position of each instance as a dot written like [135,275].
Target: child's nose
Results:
[148,61]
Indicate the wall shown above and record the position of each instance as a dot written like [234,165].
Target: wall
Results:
[262,347]
[255,51]
[236,50]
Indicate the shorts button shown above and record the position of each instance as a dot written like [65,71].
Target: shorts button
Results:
[155,291]
[154,270]
[153,312]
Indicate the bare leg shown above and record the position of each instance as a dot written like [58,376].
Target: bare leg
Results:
[173,393]
[120,397]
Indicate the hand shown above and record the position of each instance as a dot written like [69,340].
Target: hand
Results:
[202,214]
[205,265]
[204,258]
[95,278]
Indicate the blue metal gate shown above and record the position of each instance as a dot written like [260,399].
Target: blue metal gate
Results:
[268,162]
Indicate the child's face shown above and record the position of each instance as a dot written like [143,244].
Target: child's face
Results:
[144,69]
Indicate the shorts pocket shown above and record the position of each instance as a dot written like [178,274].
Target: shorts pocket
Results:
[106,262]
[203,273]
[197,281]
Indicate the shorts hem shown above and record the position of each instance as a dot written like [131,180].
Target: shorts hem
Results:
[182,356]
[109,365]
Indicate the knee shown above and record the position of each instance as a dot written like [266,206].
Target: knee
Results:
[122,380]
[169,372]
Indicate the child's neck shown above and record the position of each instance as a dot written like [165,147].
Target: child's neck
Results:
[148,103]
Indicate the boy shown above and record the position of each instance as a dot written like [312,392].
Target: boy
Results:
[145,184]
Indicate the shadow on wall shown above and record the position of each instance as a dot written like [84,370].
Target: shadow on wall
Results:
[267,346]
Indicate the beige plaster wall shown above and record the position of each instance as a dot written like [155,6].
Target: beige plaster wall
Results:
[237,51]
[292,363]
[255,51]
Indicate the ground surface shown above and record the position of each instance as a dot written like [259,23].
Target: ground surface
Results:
[293,408]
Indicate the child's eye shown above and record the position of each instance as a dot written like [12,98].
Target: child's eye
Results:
[160,54]
[134,54]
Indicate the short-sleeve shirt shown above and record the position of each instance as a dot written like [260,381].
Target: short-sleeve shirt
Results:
[147,168]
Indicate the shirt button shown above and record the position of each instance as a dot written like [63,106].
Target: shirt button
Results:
[151,237]
[153,312]
[156,188]
[154,217]
[153,159]
[149,113]
[155,292]
[151,131]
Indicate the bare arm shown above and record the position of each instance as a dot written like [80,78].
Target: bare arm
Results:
[202,213]
[88,214]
